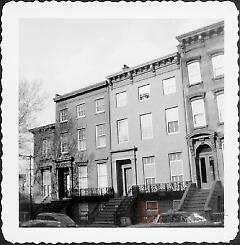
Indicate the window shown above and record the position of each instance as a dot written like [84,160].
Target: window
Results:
[176,167]
[46,175]
[45,150]
[172,120]
[198,113]
[194,74]
[169,86]
[151,205]
[102,175]
[220,105]
[122,126]
[81,110]
[149,170]
[100,105]
[82,177]
[63,115]
[64,143]
[218,65]
[101,135]
[144,92]
[121,99]
[82,139]
[146,126]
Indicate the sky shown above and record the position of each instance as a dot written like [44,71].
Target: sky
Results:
[68,54]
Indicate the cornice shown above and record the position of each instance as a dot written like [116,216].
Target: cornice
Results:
[200,35]
[150,66]
[42,128]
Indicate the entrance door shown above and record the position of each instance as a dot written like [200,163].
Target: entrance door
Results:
[205,169]
[63,182]
[127,179]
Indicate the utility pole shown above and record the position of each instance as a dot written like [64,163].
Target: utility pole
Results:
[30,157]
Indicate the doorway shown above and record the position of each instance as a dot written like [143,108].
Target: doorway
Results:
[63,182]
[205,167]
[124,176]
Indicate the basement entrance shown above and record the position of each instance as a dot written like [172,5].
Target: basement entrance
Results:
[205,167]
[63,182]
[124,176]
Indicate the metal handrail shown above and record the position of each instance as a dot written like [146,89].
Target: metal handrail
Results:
[106,191]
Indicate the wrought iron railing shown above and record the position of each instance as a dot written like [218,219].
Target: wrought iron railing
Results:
[160,187]
[106,191]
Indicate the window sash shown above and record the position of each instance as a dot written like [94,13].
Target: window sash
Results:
[83,177]
[121,99]
[63,115]
[220,105]
[100,105]
[144,92]
[64,143]
[101,135]
[198,113]
[169,86]
[122,126]
[172,120]
[194,73]
[81,110]
[218,65]
[146,126]
[102,175]
[176,167]
[149,168]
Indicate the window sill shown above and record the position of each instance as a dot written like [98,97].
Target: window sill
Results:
[63,121]
[173,133]
[192,85]
[99,112]
[147,138]
[100,147]
[143,100]
[199,127]
[218,78]
[81,117]
[220,123]
[124,142]
[82,150]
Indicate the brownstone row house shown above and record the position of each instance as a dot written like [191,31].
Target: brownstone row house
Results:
[148,139]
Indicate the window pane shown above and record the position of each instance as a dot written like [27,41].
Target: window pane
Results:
[63,115]
[144,92]
[146,126]
[64,143]
[102,175]
[83,178]
[121,99]
[149,169]
[176,167]
[194,74]
[169,86]
[198,113]
[82,139]
[218,65]
[220,104]
[122,130]
[172,120]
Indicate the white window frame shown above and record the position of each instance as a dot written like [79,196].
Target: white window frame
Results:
[169,88]
[64,135]
[46,187]
[203,113]
[215,68]
[82,141]
[170,121]
[82,178]
[143,129]
[101,136]
[147,164]
[220,107]
[118,95]
[152,210]
[118,130]
[45,148]
[176,161]
[78,107]
[101,110]
[100,176]
[191,75]
[63,115]
[143,96]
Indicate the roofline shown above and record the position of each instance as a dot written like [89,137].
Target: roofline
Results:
[143,64]
[84,90]
[48,126]
[199,30]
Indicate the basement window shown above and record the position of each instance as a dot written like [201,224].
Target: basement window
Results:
[152,206]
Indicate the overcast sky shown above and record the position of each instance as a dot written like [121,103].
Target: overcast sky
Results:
[68,54]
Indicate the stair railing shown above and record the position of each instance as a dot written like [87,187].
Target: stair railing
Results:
[92,216]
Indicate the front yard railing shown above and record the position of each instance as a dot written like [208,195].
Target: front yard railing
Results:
[106,191]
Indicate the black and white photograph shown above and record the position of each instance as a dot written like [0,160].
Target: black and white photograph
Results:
[120,122]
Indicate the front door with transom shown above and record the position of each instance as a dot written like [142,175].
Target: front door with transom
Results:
[205,167]
[63,182]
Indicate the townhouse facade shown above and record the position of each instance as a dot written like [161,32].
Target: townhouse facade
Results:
[202,62]
[139,140]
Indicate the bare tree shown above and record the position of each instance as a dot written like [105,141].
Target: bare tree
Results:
[31,101]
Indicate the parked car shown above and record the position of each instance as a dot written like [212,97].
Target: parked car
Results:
[41,223]
[65,220]
[181,219]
